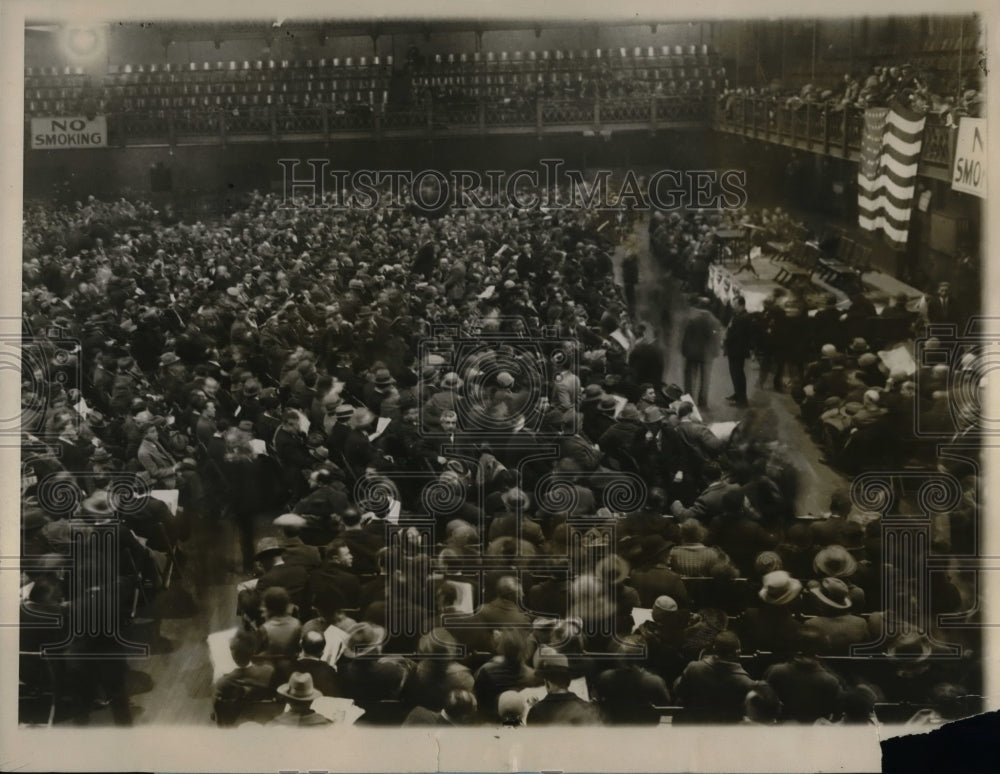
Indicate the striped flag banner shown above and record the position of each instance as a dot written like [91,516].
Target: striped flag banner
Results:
[887,173]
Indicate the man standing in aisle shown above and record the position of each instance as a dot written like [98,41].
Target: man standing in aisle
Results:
[737,347]
[699,346]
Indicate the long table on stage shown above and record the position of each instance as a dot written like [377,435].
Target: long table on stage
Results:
[727,280]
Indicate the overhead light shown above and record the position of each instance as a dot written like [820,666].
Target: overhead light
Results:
[80,43]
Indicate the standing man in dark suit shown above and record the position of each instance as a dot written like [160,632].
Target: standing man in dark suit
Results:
[737,346]
[699,346]
[939,306]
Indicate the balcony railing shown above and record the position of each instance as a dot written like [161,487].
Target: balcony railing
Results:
[826,129]
[277,122]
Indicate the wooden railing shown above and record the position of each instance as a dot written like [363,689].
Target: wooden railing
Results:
[825,129]
[179,126]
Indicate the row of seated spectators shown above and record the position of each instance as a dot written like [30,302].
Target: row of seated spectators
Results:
[276,361]
[884,86]
[762,649]
[331,81]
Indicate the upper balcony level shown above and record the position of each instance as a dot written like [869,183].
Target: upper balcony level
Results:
[827,130]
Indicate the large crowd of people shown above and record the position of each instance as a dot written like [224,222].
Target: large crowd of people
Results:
[419,424]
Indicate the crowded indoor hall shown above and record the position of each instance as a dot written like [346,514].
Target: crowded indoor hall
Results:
[643,390]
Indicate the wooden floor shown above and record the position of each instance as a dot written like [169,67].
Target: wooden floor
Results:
[173,685]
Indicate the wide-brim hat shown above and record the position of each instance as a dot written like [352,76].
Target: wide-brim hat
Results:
[607,405]
[911,646]
[552,663]
[629,413]
[97,504]
[299,688]
[451,381]
[267,546]
[779,588]
[293,520]
[383,378]
[33,517]
[169,358]
[613,567]
[592,393]
[832,592]
[653,415]
[344,411]
[672,392]
[100,455]
[859,345]
[835,561]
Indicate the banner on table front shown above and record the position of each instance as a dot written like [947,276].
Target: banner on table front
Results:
[72,132]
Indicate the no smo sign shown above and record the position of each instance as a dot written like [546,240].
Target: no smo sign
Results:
[63,133]
[970,171]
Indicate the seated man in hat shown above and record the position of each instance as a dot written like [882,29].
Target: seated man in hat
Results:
[597,420]
[774,625]
[623,443]
[300,693]
[370,679]
[296,551]
[834,620]
[560,706]
[663,635]
[713,688]
[293,578]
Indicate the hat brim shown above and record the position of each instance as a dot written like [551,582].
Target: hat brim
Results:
[849,568]
[818,593]
[282,690]
[794,590]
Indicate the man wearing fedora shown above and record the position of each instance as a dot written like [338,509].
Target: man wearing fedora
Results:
[300,693]
[775,624]
[560,705]
[377,390]
[834,620]
[294,578]
[713,688]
